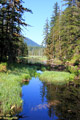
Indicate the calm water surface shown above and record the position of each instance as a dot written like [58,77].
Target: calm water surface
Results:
[44,101]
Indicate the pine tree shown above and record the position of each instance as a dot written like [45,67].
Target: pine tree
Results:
[46,32]
[54,14]
[10,28]
[70,27]
[53,24]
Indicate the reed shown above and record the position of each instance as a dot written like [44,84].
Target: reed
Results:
[57,78]
[10,86]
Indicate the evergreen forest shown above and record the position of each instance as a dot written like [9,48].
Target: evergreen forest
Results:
[62,32]
[11,39]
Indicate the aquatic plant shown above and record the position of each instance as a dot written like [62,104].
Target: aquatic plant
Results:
[57,77]
[10,86]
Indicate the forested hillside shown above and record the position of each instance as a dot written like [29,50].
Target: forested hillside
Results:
[62,33]
[31,43]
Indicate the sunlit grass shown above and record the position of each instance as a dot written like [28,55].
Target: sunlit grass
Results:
[58,78]
[10,90]
[10,86]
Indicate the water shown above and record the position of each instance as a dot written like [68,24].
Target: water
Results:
[44,101]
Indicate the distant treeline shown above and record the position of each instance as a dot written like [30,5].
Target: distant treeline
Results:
[36,51]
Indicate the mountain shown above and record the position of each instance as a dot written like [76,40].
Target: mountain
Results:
[31,42]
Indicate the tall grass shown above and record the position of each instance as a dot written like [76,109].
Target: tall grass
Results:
[10,86]
[57,78]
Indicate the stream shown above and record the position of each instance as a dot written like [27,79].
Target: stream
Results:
[45,101]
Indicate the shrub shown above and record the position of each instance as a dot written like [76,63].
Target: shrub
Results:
[43,68]
[77,62]
[3,67]
[73,69]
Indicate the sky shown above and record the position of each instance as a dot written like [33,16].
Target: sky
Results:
[42,9]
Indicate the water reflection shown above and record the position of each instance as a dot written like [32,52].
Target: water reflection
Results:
[31,60]
[68,101]
[44,101]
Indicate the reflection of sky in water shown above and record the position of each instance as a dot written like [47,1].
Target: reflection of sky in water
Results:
[39,71]
[34,108]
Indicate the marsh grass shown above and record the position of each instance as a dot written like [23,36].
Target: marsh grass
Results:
[10,86]
[57,78]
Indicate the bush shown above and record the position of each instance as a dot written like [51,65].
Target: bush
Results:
[3,67]
[73,69]
[43,68]
[26,76]
[77,62]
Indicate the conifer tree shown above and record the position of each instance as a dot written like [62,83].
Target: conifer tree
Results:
[54,14]
[46,32]
[70,31]
[10,27]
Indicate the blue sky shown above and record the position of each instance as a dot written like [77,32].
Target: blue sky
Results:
[42,9]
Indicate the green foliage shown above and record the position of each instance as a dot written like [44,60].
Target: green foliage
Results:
[73,70]
[43,68]
[75,59]
[64,34]
[10,86]
[35,51]
[3,67]
[77,62]
[10,90]
[26,76]
[54,14]
[10,29]
[57,78]
[79,72]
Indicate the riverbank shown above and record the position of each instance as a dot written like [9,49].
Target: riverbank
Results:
[57,78]
[13,76]
[11,80]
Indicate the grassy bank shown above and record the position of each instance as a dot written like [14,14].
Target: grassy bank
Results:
[11,77]
[57,78]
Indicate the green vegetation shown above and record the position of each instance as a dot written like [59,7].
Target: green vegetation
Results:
[74,70]
[33,59]
[11,79]
[57,78]
[37,51]
[61,46]
[62,32]
[68,97]
[11,20]
[75,60]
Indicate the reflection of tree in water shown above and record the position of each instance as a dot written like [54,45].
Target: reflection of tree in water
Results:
[70,103]
[68,107]
[43,91]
